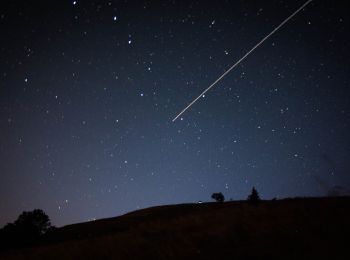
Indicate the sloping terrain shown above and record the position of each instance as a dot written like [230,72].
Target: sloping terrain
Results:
[282,229]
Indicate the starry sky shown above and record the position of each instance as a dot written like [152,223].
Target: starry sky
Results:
[88,91]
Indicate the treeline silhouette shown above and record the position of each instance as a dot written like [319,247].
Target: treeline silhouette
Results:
[253,197]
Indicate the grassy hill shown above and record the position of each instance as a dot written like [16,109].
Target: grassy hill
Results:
[283,229]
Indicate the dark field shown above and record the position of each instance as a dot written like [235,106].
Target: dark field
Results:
[302,228]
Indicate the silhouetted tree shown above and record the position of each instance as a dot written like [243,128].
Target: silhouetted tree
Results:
[29,227]
[254,196]
[34,222]
[219,197]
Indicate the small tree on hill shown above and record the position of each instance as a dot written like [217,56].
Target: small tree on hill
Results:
[34,223]
[254,196]
[219,197]
[28,229]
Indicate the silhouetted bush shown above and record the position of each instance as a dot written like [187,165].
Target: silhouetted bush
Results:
[34,222]
[28,229]
[219,197]
[254,197]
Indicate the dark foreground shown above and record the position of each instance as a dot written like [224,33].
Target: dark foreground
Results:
[304,228]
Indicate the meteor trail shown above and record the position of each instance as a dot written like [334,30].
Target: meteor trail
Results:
[241,59]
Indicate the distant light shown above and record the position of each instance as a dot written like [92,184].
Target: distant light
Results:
[141,94]
[129,41]
[74,2]
[115,18]
[25,80]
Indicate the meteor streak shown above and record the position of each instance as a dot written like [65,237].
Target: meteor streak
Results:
[241,59]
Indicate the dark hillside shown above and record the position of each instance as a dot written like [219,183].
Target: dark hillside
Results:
[282,229]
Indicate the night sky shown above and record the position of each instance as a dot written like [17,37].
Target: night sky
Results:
[88,91]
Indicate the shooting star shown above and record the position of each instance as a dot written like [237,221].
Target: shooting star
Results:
[241,59]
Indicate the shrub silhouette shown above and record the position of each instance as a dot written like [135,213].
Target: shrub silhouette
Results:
[28,229]
[219,197]
[254,197]
[34,223]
